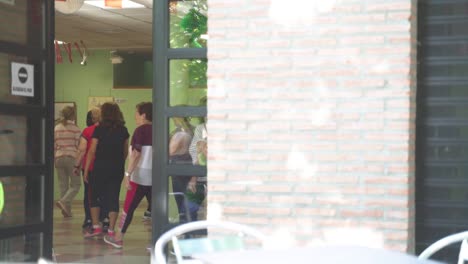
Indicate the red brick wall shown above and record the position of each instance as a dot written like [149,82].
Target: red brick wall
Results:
[311,119]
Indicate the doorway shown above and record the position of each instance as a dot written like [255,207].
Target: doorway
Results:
[179,90]
[123,62]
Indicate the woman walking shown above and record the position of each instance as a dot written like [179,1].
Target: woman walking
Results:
[67,136]
[138,175]
[92,121]
[109,149]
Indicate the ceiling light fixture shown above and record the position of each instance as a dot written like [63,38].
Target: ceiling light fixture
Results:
[124,4]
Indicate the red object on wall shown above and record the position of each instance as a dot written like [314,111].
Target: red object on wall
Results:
[58,52]
[67,47]
[113,3]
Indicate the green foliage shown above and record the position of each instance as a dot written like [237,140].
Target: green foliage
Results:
[194,23]
[197,73]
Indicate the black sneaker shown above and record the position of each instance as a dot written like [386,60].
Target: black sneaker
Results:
[105,225]
[87,224]
[147,215]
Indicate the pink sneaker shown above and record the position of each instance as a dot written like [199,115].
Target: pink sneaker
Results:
[93,232]
[111,241]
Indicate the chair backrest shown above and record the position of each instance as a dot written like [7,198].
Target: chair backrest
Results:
[188,247]
[446,241]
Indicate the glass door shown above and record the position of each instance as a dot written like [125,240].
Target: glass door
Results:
[442,127]
[26,129]
[180,96]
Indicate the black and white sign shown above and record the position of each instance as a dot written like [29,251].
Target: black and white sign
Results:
[22,79]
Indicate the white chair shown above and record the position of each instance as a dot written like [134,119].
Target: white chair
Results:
[448,240]
[186,247]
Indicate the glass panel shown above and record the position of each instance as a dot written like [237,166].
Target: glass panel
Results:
[456,27]
[24,248]
[441,178]
[20,140]
[187,141]
[448,132]
[188,24]
[442,90]
[188,82]
[448,111]
[187,194]
[447,9]
[447,152]
[13,22]
[454,193]
[449,172]
[453,49]
[448,70]
[23,202]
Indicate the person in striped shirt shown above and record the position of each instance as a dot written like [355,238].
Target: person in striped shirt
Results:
[67,136]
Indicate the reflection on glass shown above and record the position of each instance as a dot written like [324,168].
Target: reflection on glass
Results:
[447,132]
[446,89]
[188,141]
[22,200]
[447,49]
[187,199]
[447,69]
[455,28]
[188,24]
[179,140]
[446,8]
[448,111]
[13,21]
[19,140]
[24,248]
[188,82]
[450,172]
[199,145]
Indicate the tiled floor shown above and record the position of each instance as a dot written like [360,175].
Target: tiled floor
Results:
[71,247]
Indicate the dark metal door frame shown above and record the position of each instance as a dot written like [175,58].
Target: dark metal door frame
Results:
[39,50]
[162,55]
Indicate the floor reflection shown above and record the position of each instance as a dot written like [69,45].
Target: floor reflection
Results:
[70,246]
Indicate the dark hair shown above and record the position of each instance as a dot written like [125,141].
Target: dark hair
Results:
[111,115]
[145,108]
[89,118]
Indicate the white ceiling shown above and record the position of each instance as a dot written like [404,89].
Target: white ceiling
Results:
[99,28]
